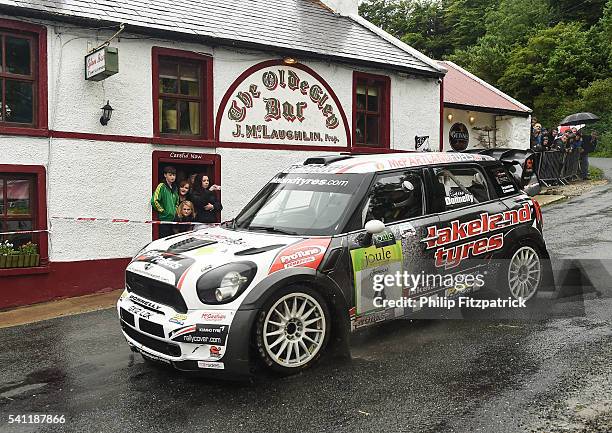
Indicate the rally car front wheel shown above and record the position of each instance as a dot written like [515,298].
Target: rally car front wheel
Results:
[292,329]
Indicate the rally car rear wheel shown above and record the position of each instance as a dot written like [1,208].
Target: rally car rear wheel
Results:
[524,273]
[293,329]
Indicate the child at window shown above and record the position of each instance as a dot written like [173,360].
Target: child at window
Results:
[183,191]
[165,199]
[184,213]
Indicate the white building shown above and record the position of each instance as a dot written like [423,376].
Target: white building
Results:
[236,93]
[478,115]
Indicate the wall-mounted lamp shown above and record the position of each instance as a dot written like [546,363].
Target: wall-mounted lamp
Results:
[107,112]
[449,117]
[472,120]
[289,61]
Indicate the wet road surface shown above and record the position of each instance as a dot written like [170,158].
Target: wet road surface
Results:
[421,376]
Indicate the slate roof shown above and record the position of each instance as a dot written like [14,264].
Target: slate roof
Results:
[465,89]
[298,27]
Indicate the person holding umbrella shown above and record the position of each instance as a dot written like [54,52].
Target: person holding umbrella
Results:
[582,119]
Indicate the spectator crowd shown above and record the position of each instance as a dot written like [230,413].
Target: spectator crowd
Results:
[571,142]
[194,200]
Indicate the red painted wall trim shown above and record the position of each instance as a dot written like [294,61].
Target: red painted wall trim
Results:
[385,137]
[296,147]
[64,279]
[230,92]
[41,206]
[166,156]
[183,142]
[100,137]
[206,111]
[442,115]
[41,79]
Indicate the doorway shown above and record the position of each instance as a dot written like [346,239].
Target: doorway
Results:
[186,164]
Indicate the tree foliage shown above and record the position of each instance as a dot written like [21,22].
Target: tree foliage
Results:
[553,55]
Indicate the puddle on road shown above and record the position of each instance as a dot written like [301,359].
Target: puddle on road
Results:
[35,380]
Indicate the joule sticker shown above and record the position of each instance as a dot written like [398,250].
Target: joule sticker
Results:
[282,104]
[307,254]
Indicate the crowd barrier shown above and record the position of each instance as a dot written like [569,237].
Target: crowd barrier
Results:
[557,167]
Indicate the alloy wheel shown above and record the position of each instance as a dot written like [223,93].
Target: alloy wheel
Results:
[294,330]
[524,273]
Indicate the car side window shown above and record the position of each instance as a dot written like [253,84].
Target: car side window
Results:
[503,181]
[394,197]
[463,186]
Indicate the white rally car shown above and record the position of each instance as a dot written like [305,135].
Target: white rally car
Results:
[292,274]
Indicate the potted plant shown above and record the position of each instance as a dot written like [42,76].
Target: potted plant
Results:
[28,255]
[24,256]
[6,253]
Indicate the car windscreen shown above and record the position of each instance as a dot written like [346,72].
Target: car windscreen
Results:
[302,204]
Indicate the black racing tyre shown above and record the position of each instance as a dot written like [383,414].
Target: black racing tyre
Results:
[292,329]
[522,272]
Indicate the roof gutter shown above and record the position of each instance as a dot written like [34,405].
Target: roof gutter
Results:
[490,110]
[215,41]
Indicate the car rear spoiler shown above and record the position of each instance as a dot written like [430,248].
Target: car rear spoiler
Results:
[520,162]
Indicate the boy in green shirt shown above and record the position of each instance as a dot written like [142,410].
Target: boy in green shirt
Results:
[165,200]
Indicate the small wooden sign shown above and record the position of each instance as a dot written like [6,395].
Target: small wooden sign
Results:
[101,64]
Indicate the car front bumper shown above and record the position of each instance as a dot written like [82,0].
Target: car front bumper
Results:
[149,332]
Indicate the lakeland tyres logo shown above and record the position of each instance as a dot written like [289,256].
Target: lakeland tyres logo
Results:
[307,253]
[450,257]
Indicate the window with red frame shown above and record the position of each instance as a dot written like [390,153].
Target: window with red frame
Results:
[18,78]
[371,125]
[181,96]
[18,205]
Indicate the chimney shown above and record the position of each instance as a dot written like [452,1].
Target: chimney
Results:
[342,7]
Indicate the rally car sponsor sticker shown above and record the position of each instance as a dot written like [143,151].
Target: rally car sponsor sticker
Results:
[145,303]
[201,334]
[162,265]
[450,257]
[457,197]
[179,319]
[213,316]
[307,254]
[372,318]
[214,365]
[370,261]
[141,312]
[216,351]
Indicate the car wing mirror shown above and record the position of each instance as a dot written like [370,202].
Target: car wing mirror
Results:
[372,227]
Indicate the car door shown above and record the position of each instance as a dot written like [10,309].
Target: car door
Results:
[398,199]
[462,241]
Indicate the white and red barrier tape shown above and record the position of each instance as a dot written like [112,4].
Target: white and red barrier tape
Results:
[23,231]
[108,220]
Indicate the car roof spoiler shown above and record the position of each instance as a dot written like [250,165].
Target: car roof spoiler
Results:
[326,159]
[509,156]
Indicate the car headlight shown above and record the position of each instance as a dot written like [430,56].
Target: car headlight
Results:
[225,283]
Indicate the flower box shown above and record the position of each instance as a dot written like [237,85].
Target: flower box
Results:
[19,260]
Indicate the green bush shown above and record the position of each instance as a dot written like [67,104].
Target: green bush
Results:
[604,147]
[595,173]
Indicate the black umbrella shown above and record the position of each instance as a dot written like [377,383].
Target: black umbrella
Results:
[579,119]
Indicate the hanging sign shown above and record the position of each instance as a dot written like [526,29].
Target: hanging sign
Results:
[459,137]
[282,104]
[101,64]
